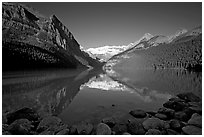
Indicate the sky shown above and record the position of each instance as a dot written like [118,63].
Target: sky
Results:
[99,24]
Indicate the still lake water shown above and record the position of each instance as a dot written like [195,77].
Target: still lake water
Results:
[90,95]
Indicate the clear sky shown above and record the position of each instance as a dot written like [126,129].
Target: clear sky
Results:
[99,24]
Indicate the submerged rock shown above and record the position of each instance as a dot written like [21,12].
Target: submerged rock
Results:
[153,132]
[192,130]
[109,121]
[135,128]
[20,127]
[189,97]
[138,113]
[103,129]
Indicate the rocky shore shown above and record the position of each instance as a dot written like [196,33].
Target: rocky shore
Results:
[180,115]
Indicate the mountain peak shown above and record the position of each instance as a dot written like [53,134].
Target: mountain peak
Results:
[146,37]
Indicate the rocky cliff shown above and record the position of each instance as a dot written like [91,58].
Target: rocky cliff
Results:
[31,40]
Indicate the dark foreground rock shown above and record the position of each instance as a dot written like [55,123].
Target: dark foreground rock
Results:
[103,129]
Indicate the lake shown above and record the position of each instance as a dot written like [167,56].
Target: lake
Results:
[90,95]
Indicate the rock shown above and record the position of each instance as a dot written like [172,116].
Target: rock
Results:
[153,123]
[166,125]
[109,121]
[189,97]
[103,129]
[175,105]
[135,128]
[63,132]
[152,113]
[196,120]
[126,133]
[181,116]
[196,109]
[171,132]
[24,113]
[113,133]
[192,130]
[167,111]
[20,127]
[48,122]
[120,128]
[84,128]
[177,99]
[175,124]
[138,113]
[161,116]
[73,130]
[195,104]
[47,132]
[153,132]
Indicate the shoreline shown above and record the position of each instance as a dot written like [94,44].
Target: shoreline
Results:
[182,115]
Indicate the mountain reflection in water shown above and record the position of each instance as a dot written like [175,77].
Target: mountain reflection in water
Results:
[92,94]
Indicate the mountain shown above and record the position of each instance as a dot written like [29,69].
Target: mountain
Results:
[31,40]
[183,50]
[106,52]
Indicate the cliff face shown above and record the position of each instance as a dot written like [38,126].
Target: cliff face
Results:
[32,40]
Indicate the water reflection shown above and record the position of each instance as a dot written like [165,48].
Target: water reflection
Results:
[75,96]
[48,96]
[106,83]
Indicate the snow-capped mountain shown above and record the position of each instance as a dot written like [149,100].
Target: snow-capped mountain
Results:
[106,52]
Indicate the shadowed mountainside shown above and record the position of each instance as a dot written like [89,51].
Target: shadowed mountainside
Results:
[31,40]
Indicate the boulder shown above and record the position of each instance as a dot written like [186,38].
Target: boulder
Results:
[196,120]
[109,121]
[138,113]
[182,116]
[20,127]
[161,116]
[192,130]
[84,128]
[152,113]
[63,132]
[73,130]
[126,133]
[175,105]
[24,113]
[120,128]
[135,128]
[189,97]
[153,132]
[171,132]
[175,124]
[167,111]
[47,132]
[48,122]
[103,129]
[153,123]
